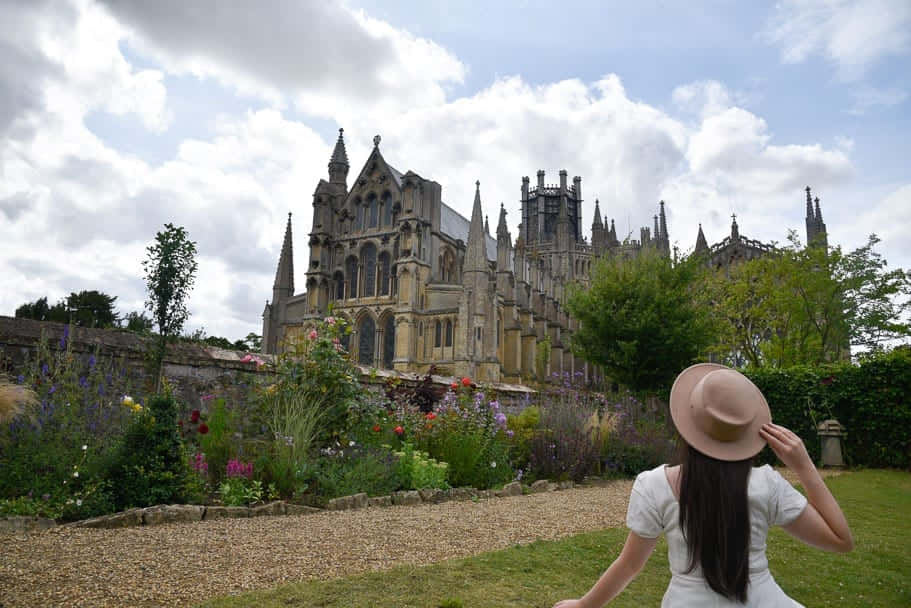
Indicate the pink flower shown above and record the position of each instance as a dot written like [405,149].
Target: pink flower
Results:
[330,320]
[313,334]
[246,358]
[207,397]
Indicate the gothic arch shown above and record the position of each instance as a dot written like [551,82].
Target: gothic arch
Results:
[384,271]
[338,285]
[387,209]
[372,211]
[387,329]
[351,277]
[368,268]
[366,338]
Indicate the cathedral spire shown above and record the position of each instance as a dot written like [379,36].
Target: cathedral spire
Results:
[809,204]
[701,243]
[657,233]
[663,219]
[596,222]
[502,229]
[735,229]
[486,224]
[338,163]
[818,212]
[476,248]
[283,287]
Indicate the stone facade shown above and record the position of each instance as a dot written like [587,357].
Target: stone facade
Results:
[738,248]
[423,285]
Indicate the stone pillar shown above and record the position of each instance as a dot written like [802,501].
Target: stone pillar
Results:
[830,434]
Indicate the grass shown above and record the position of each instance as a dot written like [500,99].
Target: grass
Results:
[876,573]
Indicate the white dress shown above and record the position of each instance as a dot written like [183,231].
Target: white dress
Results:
[654,509]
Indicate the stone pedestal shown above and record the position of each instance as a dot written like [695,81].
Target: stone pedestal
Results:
[830,434]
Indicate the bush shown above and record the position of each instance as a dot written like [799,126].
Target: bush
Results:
[149,466]
[417,471]
[354,469]
[523,427]
[77,404]
[872,399]
[468,433]
[565,446]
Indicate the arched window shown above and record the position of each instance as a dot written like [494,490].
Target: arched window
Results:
[368,263]
[339,279]
[448,333]
[359,222]
[387,209]
[351,276]
[384,273]
[366,332]
[389,342]
[346,341]
[438,335]
[373,211]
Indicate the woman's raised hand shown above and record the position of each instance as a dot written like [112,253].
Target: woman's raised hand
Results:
[787,446]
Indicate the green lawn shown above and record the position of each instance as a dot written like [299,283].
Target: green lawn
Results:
[876,573]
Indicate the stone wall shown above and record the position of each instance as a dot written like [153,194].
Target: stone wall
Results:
[193,370]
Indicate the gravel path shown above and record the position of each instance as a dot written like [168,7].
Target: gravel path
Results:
[184,564]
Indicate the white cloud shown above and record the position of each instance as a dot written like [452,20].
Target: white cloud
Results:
[854,34]
[326,58]
[94,209]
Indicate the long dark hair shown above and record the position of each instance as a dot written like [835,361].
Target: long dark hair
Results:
[715,520]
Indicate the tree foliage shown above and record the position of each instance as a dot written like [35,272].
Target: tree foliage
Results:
[807,305]
[170,272]
[643,319]
[86,309]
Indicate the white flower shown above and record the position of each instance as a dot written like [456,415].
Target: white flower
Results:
[75,473]
[493,465]
[84,447]
[78,502]
[350,444]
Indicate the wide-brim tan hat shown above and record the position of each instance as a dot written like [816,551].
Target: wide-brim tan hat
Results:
[719,411]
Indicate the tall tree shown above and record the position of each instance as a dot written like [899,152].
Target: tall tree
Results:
[809,305]
[643,319]
[92,309]
[170,270]
[138,322]
[39,310]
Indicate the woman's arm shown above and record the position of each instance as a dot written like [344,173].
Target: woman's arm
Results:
[636,552]
[822,524]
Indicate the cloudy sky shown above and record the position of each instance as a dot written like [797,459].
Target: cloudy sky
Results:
[117,116]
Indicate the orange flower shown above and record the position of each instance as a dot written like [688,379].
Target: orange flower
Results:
[454,386]
[398,430]
[466,381]
[429,426]
[430,416]
[376,428]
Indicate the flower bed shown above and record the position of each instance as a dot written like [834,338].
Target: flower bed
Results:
[86,441]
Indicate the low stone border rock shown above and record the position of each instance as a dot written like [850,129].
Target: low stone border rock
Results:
[166,514]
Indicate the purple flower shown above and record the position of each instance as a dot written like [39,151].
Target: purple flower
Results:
[45,369]
[500,419]
[21,379]
[510,433]
[83,381]
[52,390]
[92,362]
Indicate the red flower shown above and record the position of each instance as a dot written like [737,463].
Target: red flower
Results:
[203,428]
[430,416]
[398,430]
[466,381]
[828,380]
[194,416]
[376,428]
[429,426]
[454,386]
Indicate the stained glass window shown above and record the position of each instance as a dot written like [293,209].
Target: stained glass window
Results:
[366,340]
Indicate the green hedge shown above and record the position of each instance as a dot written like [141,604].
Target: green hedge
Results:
[871,399]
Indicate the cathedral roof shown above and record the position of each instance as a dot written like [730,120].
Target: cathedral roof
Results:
[455,226]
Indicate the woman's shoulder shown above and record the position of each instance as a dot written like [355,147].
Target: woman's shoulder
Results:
[651,478]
